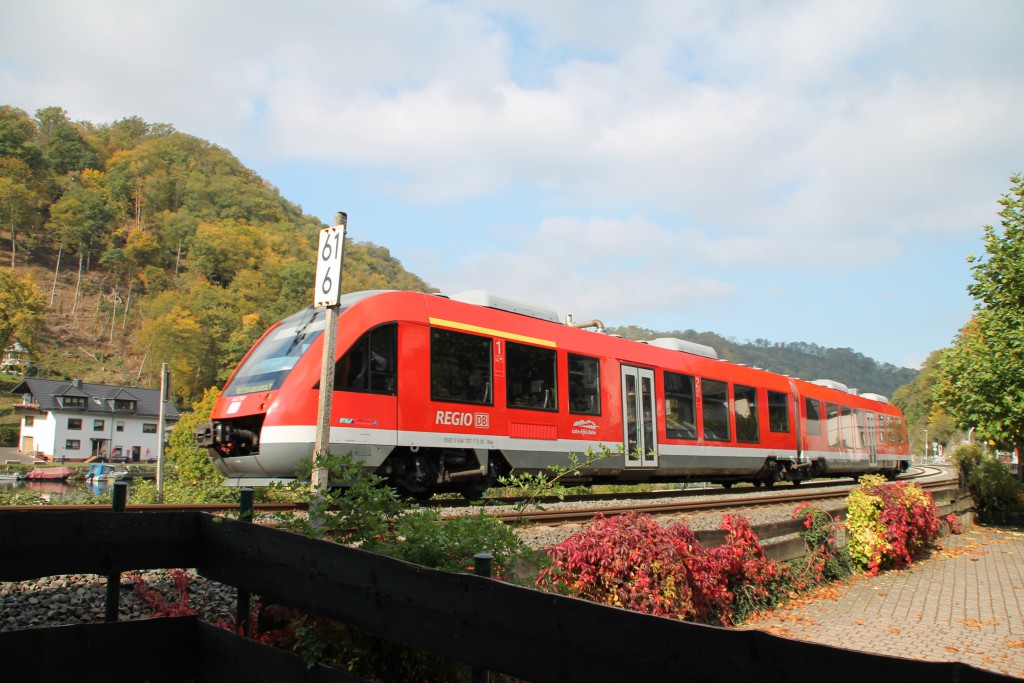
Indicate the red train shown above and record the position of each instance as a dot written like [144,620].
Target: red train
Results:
[447,394]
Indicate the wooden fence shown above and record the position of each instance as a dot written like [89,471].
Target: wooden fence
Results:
[491,625]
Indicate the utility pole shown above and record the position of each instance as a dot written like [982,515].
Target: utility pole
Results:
[327,293]
[165,390]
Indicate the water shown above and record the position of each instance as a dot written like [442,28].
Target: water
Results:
[78,490]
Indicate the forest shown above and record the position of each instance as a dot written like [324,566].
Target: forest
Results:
[147,245]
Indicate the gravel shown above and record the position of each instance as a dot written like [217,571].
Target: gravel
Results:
[80,598]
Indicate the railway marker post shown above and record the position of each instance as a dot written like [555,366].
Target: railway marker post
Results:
[327,293]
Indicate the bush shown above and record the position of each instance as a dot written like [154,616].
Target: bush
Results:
[633,562]
[823,561]
[192,463]
[9,434]
[889,524]
[966,457]
[993,487]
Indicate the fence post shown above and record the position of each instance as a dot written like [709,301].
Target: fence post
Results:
[482,566]
[242,606]
[113,603]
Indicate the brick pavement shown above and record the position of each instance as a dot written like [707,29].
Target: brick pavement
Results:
[965,603]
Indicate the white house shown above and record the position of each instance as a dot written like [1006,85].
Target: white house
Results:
[15,358]
[75,421]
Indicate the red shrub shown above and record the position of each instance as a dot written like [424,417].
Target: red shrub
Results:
[631,561]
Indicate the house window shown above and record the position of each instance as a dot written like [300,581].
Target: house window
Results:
[30,420]
[73,401]
[119,426]
[97,425]
[74,423]
[149,428]
[72,444]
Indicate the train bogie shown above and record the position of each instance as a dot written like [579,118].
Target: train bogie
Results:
[436,394]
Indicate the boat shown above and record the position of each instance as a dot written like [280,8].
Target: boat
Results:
[12,476]
[99,470]
[51,473]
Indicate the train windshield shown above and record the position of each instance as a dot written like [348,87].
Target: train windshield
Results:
[275,356]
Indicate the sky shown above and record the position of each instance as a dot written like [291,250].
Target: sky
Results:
[814,171]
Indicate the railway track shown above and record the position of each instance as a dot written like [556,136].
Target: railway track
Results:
[584,507]
[672,502]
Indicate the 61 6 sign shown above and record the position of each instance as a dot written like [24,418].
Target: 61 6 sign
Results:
[327,291]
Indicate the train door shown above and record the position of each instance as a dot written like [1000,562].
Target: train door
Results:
[639,418]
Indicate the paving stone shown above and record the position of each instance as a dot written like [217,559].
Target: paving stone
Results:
[965,603]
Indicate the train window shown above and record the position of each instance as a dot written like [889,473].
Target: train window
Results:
[832,425]
[460,367]
[862,437]
[271,360]
[813,410]
[680,410]
[715,403]
[778,412]
[849,429]
[745,410]
[530,373]
[899,429]
[584,385]
[369,365]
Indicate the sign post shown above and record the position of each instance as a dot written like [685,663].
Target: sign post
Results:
[327,293]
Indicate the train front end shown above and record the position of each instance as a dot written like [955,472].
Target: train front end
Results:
[234,437]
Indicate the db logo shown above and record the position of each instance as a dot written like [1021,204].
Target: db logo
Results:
[482,421]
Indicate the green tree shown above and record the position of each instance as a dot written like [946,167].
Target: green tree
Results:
[192,464]
[64,147]
[982,376]
[81,218]
[21,309]
[17,134]
[917,401]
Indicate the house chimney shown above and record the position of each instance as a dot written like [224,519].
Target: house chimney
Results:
[78,383]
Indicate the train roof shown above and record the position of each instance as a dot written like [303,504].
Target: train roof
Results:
[487,299]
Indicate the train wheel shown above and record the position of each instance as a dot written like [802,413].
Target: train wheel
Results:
[473,492]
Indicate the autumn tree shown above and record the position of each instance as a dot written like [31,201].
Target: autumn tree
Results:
[21,309]
[982,376]
[21,165]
